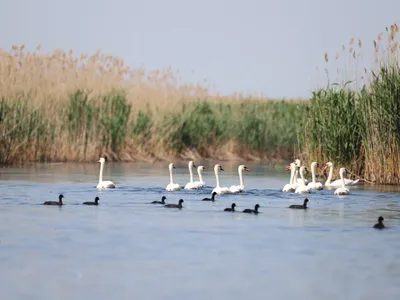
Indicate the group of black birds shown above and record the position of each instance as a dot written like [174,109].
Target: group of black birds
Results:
[378,225]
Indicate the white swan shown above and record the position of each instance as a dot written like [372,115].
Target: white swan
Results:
[172,186]
[191,185]
[302,188]
[290,187]
[218,189]
[104,184]
[337,182]
[314,185]
[200,183]
[239,188]
[342,190]
[299,180]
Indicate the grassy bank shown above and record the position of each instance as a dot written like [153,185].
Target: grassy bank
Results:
[63,107]
[358,125]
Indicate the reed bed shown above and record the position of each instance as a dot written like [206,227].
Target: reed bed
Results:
[62,107]
[356,122]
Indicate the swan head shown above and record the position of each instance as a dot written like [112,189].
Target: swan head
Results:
[342,171]
[101,160]
[233,205]
[201,168]
[218,168]
[96,199]
[328,165]
[380,219]
[60,197]
[305,201]
[181,201]
[243,167]
[297,162]
[314,164]
[171,166]
[191,164]
[163,198]
[303,169]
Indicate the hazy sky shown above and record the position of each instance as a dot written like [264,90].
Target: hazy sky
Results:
[270,47]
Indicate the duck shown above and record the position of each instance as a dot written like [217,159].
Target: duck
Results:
[159,202]
[96,202]
[252,211]
[342,190]
[380,224]
[179,205]
[232,208]
[172,186]
[210,199]
[191,185]
[218,189]
[106,184]
[337,182]
[239,188]
[302,188]
[290,187]
[298,206]
[59,202]
[314,185]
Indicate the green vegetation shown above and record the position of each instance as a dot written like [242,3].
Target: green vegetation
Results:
[85,128]
[359,128]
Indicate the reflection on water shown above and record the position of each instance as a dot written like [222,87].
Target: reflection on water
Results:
[128,249]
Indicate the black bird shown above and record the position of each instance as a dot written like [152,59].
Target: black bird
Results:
[175,205]
[232,208]
[210,199]
[96,202]
[379,225]
[300,206]
[252,211]
[59,203]
[160,202]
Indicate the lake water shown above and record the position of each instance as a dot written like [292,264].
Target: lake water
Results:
[126,248]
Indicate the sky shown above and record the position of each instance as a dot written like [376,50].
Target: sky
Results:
[268,47]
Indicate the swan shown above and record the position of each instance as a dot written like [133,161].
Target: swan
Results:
[104,184]
[342,190]
[172,186]
[302,188]
[201,183]
[239,188]
[218,189]
[290,187]
[337,182]
[299,180]
[314,185]
[191,185]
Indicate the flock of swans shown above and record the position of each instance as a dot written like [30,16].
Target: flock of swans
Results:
[296,185]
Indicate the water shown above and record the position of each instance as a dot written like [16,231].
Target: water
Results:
[128,249]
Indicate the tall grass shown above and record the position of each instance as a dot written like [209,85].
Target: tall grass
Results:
[62,107]
[359,126]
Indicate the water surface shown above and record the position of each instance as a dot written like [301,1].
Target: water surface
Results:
[128,249]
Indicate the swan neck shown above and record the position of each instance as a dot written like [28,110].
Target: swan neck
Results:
[328,181]
[101,172]
[200,176]
[241,177]
[190,173]
[342,179]
[302,177]
[217,178]
[171,176]
[313,174]
[292,171]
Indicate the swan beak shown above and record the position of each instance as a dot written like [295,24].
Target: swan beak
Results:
[221,169]
[173,167]
[194,166]
[98,160]
[246,169]
[287,168]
